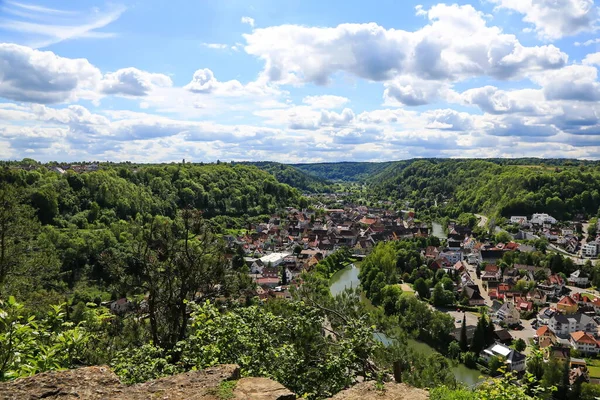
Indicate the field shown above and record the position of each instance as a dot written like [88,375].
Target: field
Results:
[594,368]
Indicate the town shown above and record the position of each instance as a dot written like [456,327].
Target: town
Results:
[548,309]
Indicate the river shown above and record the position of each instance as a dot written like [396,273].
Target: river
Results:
[348,277]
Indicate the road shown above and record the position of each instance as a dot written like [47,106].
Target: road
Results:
[479,283]
[471,318]
[564,253]
[483,220]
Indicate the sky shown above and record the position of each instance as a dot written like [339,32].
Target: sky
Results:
[298,80]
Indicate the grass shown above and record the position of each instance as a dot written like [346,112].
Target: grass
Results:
[589,296]
[224,391]
[594,371]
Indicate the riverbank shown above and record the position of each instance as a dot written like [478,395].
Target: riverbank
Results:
[348,278]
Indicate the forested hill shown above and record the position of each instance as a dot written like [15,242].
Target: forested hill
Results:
[562,188]
[293,176]
[344,171]
[123,191]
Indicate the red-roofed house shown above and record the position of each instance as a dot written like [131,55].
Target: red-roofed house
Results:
[584,342]
[491,273]
[567,305]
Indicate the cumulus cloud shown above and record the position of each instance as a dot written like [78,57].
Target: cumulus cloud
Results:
[555,19]
[331,118]
[412,91]
[133,82]
[575,82]
[457,44]
[494,101]
[592,59]
[204,81]
[325,101]
[587,42]
[248,20]
[450,120]
[42,76]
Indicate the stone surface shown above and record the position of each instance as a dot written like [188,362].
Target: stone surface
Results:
[261,389]
[100,383]
[369,391]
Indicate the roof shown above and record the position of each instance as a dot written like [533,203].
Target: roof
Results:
[503,335]
[492,268]
[515,357]
[567,301]
[500,349]
[582,337]
[579,317]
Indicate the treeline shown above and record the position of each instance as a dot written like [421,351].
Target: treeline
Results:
[294,177]
[451,187]
[343,171]
[123,191]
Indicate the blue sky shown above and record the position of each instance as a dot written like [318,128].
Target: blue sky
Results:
[298,80]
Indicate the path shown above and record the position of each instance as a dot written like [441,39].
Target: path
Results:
[483,220]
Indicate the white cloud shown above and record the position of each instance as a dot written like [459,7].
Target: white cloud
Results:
[58,25]
[42,76]
[204,81]
[494,101]
[133,82]
[331,118]
[325,101]
[216,46]
[456,45]
[554,19]
[574,82]
[248,20]
[413,91]
[592,59]
[588,42]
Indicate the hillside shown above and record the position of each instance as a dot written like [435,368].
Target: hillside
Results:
[295,177]
[515,187]
[126,190]
[343,171]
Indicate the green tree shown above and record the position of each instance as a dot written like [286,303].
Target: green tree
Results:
[589,391]
[45,201]
[174,261]
[494,365]
[463,335]
[421,288]
[17,230]
[478,342]
[503,237]
[454,350]
[520,345]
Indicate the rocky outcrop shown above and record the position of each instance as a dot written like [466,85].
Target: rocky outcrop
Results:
[370,391]
[218,383]
[100,383]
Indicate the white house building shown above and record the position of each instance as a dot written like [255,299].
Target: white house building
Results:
[518,219]
[452,256]
[514,360]
[542,218]
[274,259]
[564,325]
[509,314]
[578,278]
[590,249]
